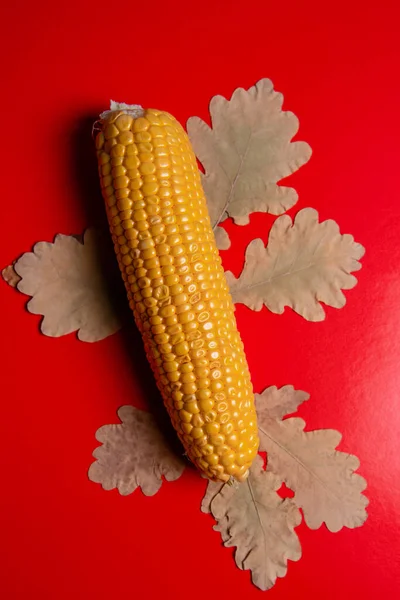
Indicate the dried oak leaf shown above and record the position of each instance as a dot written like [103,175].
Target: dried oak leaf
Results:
[304,263]
[244,155]
[69,288]
[252,517]
[279,402]
[323,480]
[133,454]
[10,276]
[213,487]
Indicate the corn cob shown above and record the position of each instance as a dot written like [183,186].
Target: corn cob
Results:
[176,286]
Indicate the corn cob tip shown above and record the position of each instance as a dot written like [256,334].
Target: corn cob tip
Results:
[133,110]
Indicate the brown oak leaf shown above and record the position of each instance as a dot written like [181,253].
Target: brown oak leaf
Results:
[133,454]
[304,263]
[69,287]
[213,487]
[323,479]
[253,517]
[244,155]
[10,276]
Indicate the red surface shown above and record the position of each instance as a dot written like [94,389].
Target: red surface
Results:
[62,536]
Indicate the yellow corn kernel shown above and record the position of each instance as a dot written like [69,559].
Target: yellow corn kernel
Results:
[176,287]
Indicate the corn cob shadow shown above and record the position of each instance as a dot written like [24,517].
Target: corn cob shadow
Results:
[84,167]
[131,340]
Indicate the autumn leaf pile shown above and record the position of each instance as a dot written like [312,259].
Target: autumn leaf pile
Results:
[245,153]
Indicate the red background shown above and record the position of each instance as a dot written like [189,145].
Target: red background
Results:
[337,65]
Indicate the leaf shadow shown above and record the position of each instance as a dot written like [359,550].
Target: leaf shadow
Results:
[85,173]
